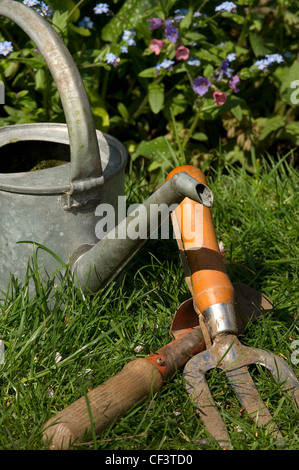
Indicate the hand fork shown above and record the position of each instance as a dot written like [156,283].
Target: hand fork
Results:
[213,296]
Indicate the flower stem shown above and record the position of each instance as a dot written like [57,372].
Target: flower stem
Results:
[191,130]
[74,8]
[105,84]
[141,107]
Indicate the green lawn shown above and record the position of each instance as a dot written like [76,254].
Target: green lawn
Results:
[257,218]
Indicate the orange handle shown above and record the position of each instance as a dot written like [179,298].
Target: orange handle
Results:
[210,282]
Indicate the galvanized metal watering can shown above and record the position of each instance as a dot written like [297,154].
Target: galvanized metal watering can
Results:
[56,207]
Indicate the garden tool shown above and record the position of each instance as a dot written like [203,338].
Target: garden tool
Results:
[143,377]
[213,296]
[55,209]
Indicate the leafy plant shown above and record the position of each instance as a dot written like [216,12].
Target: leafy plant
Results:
[170,80]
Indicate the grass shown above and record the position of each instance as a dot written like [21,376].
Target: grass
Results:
[256,217]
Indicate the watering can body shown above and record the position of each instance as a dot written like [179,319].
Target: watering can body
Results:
[55,208]
[35,206]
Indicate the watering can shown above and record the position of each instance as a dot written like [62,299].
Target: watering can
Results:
[56,207]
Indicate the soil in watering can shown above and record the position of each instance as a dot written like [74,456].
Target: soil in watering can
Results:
[32,155]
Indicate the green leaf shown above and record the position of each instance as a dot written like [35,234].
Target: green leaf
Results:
[246,73]
[201,136]
[148,73]
[237,112]
[156,96]
[208,71]
[71,6]
[123,110]
[81,31]
[129,15]
[288,86]
[206,56]
[32,62]
[211,111]
[272,124]
[185,23]
[178,103]
[233,16]
[11,70]
[101,117]
[258,46]
[40,79]
[59,21]
[157,149]
[290,132]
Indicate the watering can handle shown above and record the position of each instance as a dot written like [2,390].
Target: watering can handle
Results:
[85,154]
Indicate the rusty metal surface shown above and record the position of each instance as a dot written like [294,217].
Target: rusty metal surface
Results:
[189,338]
[229,355]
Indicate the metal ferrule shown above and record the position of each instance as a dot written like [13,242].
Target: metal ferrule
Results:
[220,318]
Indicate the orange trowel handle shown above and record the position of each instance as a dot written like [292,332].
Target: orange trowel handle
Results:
[210,282]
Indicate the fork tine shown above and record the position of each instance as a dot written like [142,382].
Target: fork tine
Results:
[250,399]
[201,397]
[228,354]
[281,372]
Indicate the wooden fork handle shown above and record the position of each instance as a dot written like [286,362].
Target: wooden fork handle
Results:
[106,403]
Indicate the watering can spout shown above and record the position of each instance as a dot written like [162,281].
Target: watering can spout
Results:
[100,264]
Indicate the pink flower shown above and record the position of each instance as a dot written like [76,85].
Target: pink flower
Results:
[156,45]
[234,82]
[219,97]
[182,53]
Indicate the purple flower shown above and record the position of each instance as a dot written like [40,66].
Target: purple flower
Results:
[201,85]
[223,70]
[234,81]
[171,32]
[224,67]
[155,23]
